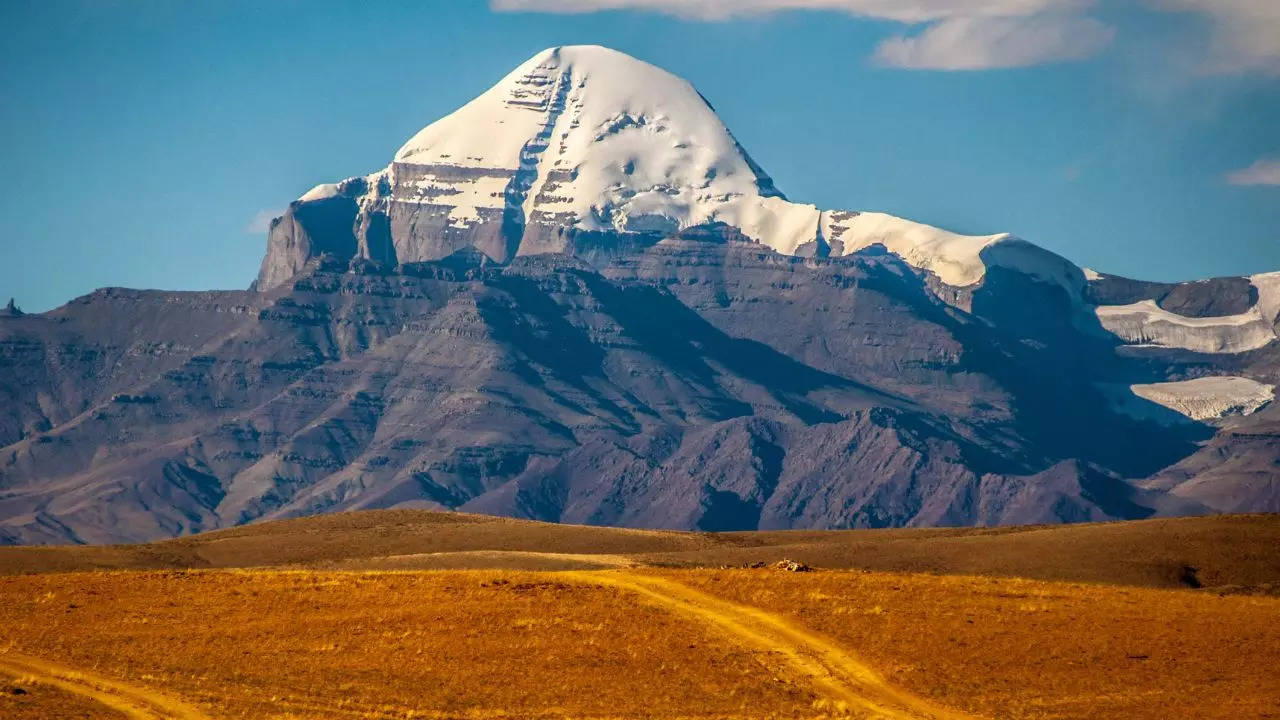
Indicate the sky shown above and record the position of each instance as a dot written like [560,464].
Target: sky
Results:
[146,143]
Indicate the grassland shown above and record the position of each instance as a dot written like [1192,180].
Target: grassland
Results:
[1010,648]
[1235,552]
[564,622]
[389,645]
[26,697]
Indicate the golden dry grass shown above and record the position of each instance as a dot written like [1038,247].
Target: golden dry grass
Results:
[335,641]
[1014,649]
[479,644]
[390,645]
[1233,550]
[26,698]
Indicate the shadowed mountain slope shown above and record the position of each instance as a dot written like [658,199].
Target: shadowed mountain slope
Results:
[579,299]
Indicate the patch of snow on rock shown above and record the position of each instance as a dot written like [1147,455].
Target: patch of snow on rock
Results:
[1146,323]
[322,191]
[1268,285]
[957,260]
[1209,398]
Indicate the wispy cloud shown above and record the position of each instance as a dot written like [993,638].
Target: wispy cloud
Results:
[907,11]
[983,43]
[1244,35]
[1265,171]
[261,221]
[956,34]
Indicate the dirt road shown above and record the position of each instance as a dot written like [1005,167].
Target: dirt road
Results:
[138,703]
[847,683]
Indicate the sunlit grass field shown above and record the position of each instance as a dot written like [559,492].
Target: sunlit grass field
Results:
[510,644]
[1011,648]
[416,645]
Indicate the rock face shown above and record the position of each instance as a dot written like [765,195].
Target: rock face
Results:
[1238,470]
[648,394]
[578,299]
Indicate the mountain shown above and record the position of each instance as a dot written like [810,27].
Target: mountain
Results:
[578,299]
[587,151]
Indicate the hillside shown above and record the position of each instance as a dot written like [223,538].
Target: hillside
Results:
[1233,553]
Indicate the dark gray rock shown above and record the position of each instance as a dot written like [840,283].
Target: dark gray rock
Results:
[1205,298]
[1238,470]
[704,383]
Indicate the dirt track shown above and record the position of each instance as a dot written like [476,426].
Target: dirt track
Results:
[134,701]
[849,684]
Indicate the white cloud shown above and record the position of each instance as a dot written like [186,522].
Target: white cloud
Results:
[969,43]
[1263,172]
[261,221]
[1244,34]
[958,34]
[907,11]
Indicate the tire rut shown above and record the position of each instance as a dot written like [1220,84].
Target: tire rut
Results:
[135,702]
[843,680]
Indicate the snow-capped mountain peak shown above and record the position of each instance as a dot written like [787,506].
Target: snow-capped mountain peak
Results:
[592,109]
[589,151]
[589,138]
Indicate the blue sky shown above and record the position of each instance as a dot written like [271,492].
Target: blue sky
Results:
[1141,137]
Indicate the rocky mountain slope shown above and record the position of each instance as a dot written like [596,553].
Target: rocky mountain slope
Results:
[578,299]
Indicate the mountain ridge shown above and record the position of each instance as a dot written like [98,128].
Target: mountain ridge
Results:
[612,316]
[592,141]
